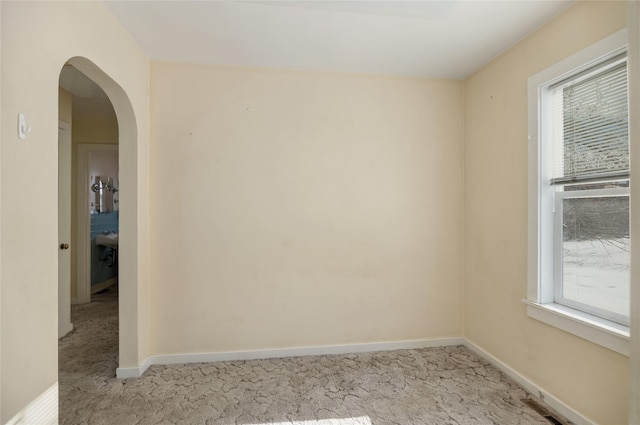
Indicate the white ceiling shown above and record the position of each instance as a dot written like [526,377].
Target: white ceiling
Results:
[442,39]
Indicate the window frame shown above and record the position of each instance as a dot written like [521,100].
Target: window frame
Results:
[542,237]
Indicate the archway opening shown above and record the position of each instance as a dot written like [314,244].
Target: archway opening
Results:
[125,185]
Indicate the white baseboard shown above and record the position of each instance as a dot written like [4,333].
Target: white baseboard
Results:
[184,358]
[134,372]
[129,372]
[534,389]
[43,410]
[64,329]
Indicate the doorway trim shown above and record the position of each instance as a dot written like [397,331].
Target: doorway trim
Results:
[83,231]
[64,285]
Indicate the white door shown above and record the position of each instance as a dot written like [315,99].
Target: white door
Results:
[64,229]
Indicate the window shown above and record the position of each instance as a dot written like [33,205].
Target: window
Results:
[579,262]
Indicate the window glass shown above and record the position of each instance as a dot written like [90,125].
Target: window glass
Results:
[595,253]
[591,131]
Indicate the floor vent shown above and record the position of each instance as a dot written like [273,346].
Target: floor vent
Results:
[553,420]
[540,410]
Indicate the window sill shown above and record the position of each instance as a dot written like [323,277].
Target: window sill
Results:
[600,331]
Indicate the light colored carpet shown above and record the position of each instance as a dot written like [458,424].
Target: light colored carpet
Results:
[429,386]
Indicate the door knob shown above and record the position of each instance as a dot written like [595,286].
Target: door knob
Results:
[64,246]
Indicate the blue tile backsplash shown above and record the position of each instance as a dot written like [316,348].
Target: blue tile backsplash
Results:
[104,264]
[104,222]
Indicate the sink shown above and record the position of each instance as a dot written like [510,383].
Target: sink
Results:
[108,240]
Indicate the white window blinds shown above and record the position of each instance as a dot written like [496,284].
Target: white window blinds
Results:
[590,124]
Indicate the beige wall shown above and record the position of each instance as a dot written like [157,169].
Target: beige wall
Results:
[94,122]
[591,379]
[297,209]
[293,209]
[65,106]
[52,33]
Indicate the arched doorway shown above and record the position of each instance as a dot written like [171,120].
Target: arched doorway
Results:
[128,228]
